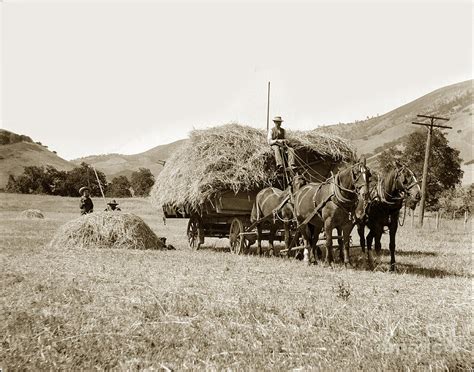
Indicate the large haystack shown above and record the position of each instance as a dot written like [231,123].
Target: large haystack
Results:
[32,214]
[107,230]
[231,157]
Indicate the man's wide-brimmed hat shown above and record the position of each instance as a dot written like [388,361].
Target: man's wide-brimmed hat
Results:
[83,188]
[113,202]
[277,119]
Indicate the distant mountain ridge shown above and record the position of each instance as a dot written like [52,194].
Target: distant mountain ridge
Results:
[370,137]
[114,165]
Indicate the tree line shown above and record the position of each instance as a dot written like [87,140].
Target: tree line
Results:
[51,181]
[443,186]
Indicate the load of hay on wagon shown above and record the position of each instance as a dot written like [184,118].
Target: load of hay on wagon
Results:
[237,158]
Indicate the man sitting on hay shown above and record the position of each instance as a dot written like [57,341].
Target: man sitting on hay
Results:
[276,139]
[85,204]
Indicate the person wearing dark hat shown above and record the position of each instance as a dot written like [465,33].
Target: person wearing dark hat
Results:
[277,140]
[86,204]
[112,206]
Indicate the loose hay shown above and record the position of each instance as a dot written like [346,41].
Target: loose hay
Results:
[107,230]
[31,214]
[232,157]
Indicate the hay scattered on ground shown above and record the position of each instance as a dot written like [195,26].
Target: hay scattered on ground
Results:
[232,157]
[31,214]
[107,230]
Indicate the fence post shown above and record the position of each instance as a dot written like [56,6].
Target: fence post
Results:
[412,218]
[437,220]
[465,219]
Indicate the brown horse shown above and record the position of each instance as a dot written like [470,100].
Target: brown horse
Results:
[332,204]
[275,202]
[394,188]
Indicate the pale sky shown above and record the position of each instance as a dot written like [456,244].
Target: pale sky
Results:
[90,77]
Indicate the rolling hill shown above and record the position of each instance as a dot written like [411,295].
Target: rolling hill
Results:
[372,136]
[16,155]
[114,165]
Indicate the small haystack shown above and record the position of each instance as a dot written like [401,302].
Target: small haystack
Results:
[31,214]
[232,157]
[107,230]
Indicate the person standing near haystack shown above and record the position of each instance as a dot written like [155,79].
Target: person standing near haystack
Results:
[86,204]
[276,139]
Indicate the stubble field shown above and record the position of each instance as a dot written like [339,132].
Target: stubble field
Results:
[171,310]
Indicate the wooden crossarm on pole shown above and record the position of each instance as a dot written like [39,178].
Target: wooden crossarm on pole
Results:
[429,125]
[432,117]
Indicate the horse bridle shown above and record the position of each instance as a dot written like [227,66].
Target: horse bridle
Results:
[404,189]
[363,172]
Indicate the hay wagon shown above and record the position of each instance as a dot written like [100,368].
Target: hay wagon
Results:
[214,180]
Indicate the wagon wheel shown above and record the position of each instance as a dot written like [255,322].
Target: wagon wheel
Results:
[192,232]
[237,241]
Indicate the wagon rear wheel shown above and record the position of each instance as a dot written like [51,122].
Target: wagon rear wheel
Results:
[194,225]
[237,241]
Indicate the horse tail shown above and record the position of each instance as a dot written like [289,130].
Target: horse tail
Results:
[255,214]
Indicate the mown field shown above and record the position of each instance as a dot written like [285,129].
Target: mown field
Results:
[171,310]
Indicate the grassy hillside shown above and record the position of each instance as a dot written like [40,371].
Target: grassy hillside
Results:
[14,157]
[96,309]
[455,102]
[114,165]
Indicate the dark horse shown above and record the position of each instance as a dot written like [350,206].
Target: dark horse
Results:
[332,204]
[394,188]
[274,202]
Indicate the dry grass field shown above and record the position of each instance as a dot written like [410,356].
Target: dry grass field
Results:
[170,310]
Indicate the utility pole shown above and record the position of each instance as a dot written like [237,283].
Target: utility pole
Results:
[430,126]
[268,106]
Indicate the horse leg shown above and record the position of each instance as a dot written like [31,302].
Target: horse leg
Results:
[294,239]
[346,231]
[361,231]
[287,238]
[312,250]
[306,239]
[259,239]
[393,233]
[328,232]
[378,244]
[370,238]
[340,243]
[271,238]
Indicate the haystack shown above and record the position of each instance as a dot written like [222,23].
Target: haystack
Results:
[232,157]
[31,214]
[107,230]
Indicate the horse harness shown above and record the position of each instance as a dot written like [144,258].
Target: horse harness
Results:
[382,194]
[336,193]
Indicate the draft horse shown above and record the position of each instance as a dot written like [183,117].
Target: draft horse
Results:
[332,204]
[274,202]
[395,187]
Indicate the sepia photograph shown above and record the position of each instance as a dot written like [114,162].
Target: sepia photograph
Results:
[236,185]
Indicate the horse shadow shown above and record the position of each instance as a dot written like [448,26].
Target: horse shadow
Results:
[359,262]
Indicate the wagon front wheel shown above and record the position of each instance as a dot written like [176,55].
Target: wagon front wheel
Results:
[237,241]
[193,232]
